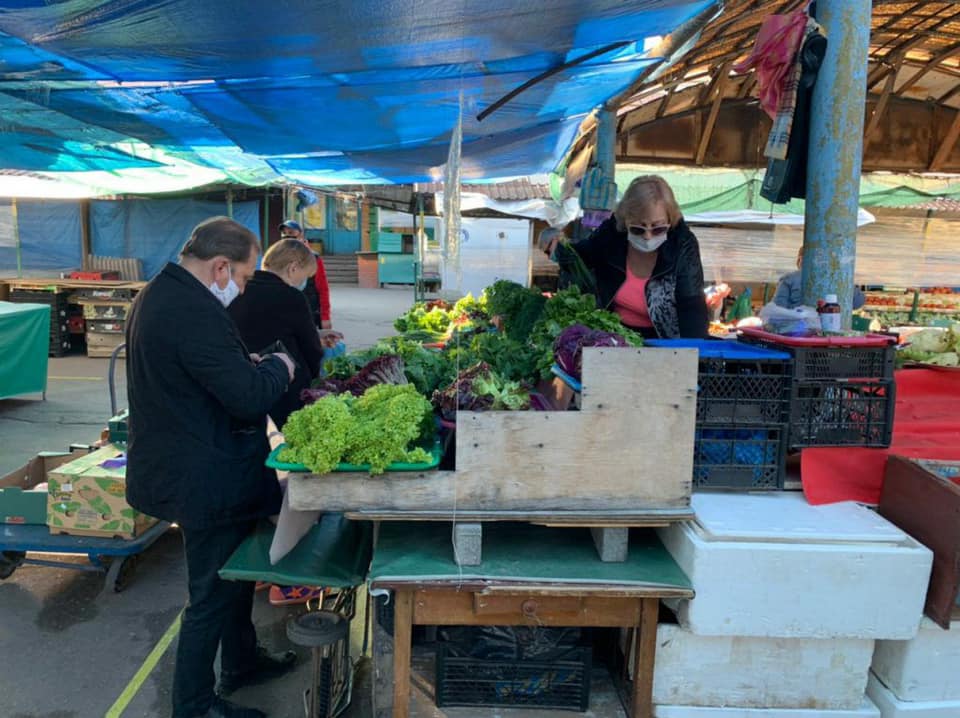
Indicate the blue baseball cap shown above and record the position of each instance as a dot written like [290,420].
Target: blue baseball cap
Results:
[290,224]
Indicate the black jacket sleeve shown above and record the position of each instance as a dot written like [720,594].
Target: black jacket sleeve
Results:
[307,337]
[217,362]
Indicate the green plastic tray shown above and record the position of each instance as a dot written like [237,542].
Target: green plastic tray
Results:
[435,453]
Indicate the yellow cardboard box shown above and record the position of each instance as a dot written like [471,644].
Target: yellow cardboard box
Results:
[88,499]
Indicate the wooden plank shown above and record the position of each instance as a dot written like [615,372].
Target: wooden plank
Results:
[402,631]
[629,450]
[721,83]
[582,519]
[455,608]
[644,658]
[946,148]
[881,106]
[927,507]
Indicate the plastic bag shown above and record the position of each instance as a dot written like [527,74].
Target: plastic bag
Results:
[798,321]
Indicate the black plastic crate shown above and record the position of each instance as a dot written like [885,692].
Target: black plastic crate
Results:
[741,458]
[842,413]
[738,384]
[555,685]
[835,362]
[743,392]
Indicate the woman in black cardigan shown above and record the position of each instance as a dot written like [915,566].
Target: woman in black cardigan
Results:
[647,263]
[273,308]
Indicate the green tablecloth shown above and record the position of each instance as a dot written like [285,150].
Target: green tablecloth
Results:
[422,553]
[24,346]
[335,554]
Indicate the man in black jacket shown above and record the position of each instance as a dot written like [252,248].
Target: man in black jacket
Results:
[198,403]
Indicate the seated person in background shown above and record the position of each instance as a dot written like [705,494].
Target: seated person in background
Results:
[273,308]
[790,289]
[647,263]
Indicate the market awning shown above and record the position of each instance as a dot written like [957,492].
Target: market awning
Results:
[314,92]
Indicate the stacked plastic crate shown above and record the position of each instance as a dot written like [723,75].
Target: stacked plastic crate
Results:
[842,391]
[742,411]
[59,312]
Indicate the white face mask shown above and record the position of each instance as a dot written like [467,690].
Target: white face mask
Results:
[228,293]
[642,244]
[301,286]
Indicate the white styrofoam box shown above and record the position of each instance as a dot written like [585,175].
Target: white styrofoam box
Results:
[751,672]
[773,565]
[892,707]
[925,668]
[866,710]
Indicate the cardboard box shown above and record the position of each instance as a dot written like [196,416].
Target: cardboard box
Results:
[20,503]
[88,499]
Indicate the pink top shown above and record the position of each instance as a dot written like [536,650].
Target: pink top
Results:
[630,302]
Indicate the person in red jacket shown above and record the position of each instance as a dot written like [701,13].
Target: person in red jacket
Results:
[317,292]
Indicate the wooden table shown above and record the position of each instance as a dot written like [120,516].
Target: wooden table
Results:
[557,581]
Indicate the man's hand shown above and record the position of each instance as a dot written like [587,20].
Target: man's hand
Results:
[326,324]
[255,358]
[288,362]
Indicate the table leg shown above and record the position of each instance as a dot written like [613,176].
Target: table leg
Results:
[645,653]
[402,629]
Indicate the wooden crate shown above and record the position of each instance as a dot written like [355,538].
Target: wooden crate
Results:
[922,499]
[102,344]
[626,454]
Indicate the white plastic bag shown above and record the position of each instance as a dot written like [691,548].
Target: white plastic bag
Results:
[798,320]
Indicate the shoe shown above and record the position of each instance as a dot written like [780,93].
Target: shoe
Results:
[225,709]
[268,666]
[292,595]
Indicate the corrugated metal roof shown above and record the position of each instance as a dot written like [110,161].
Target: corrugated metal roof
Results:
[536,187]
[940,204]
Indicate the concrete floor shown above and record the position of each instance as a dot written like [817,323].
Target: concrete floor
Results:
[69,649]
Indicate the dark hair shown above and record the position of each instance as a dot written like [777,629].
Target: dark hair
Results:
[220,237]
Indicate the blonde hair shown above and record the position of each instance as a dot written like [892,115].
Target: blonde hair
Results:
[289,251]
[644,191]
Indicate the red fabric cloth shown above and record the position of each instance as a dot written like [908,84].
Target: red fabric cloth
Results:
[774,50]
[323,290]
[926,425]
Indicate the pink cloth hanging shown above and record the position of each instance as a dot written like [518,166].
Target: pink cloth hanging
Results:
[773,53]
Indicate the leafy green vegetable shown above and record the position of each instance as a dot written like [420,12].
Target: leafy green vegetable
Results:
[505,298]
[386,419]
[318,434]
[376,429]
[566,308]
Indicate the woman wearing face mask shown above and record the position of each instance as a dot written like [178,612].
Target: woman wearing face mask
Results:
[647,263]
[272,308]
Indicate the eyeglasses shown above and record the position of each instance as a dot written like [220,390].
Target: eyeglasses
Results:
[658,231]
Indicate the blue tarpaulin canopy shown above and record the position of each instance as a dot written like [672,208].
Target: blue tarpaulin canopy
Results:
[318,93]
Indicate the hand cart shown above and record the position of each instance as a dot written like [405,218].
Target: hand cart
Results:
[115,557]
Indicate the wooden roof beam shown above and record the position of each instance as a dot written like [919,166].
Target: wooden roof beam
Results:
[884,99]
[934,61]
[943,154]
[714,112]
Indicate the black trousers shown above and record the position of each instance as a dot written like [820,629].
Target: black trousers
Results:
[217,615]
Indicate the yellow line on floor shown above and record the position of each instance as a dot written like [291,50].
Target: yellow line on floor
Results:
[76,378]
[120,705]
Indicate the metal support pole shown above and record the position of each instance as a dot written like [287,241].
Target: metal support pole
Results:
[265,237]
[835,153]
[16,234]
[230,202]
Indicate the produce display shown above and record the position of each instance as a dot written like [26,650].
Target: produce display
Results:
[378,428]
[478,354]
[938,347]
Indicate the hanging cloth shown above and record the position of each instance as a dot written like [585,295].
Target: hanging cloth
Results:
[773,56]
[778,141]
